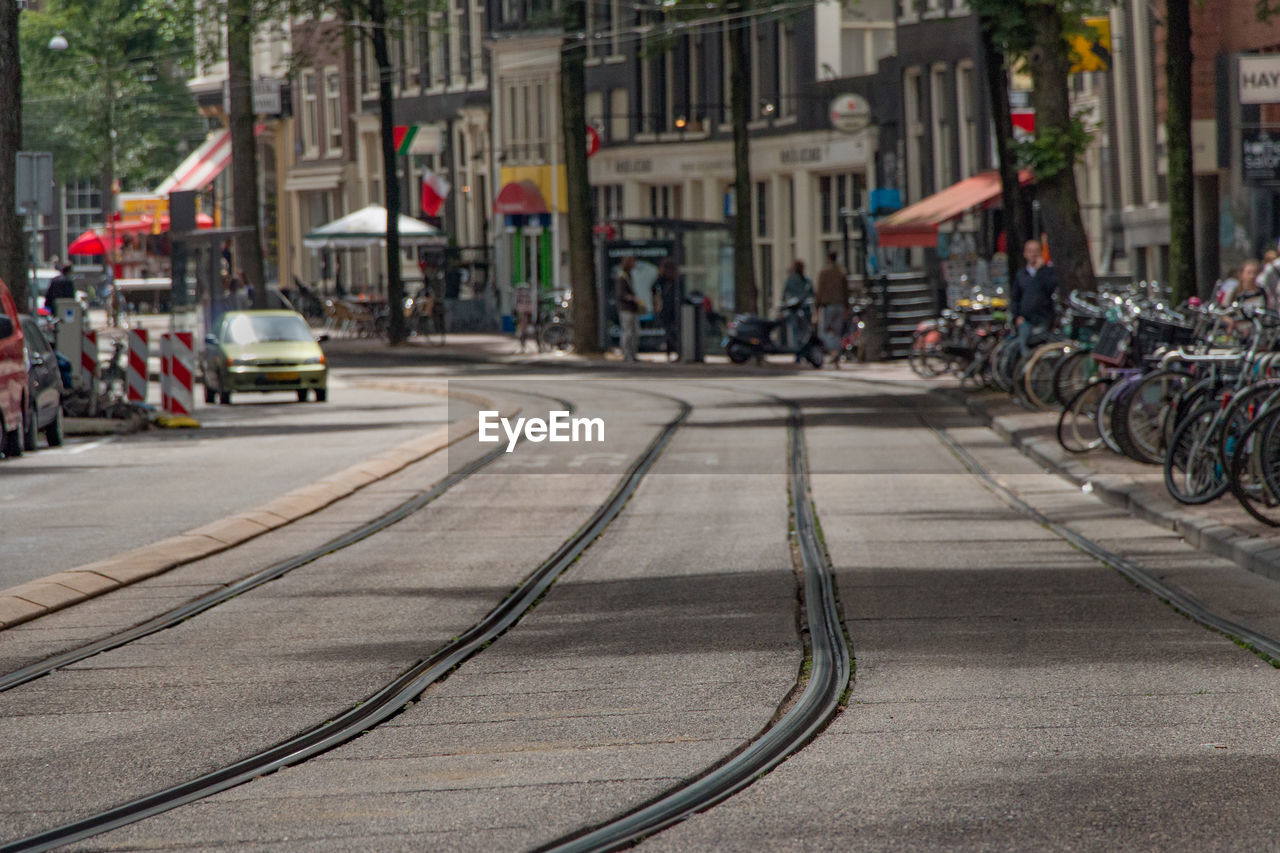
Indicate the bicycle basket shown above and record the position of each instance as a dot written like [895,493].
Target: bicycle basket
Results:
[1112,344]
[1153,334]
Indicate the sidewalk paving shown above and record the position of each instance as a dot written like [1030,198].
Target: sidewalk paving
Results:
[1221,528]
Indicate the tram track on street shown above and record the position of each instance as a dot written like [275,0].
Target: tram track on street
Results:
[275,571]
[395,696]
[829,678]
[1181,601]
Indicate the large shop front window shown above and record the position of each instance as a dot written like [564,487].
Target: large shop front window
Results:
[837,193]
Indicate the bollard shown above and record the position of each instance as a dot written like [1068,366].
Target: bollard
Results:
[177,372]
[137,373]
[88,357]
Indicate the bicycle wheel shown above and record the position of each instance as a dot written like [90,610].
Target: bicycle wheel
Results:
[1186,402]
[1073,373]
[926,353]
[1106,415]
[1003,361]
[1245,405]
[1142,412]
[1193,471]
[1078,424]
[1254,476]
[1039,371]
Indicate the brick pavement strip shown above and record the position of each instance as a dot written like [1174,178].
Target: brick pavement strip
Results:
[35,598]
[1222,529]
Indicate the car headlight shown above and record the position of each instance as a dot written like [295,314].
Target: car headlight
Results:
[319,359]
[239,362]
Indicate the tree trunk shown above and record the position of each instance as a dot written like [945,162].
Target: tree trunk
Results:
[1049,61]
[13,254]
[744,267]
[1016,227]
[396,329]
[1182,227]
[244,151]
[582,274]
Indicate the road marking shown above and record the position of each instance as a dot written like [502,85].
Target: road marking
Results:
[90,446]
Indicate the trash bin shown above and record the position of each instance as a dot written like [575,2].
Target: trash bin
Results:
[693,329]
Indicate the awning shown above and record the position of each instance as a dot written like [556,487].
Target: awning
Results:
[203,165]
[520,198]
[916,225]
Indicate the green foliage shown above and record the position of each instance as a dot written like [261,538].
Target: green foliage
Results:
[1011,27]
[140,51]
[1053,149]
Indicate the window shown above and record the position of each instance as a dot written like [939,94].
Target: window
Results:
[943,142]
[967,119]
[310,117]
[786,71]
[595,110]
[540,107]
[412,64]
[465,46]
[837,194]
[726,88]
[913,107]
[762,208]
[333,109]
[370,69]
[435,51]
[619,115]
[606,202]
[664,201]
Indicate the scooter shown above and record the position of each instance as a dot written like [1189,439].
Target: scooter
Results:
[749,336]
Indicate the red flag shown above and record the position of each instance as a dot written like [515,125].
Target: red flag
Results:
[435,189]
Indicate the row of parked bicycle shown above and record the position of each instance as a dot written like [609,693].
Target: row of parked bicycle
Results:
[1196,389]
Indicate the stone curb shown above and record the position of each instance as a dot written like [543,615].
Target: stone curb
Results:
[36,598]
[1257,554]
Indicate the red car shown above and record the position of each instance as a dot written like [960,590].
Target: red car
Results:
[13,376]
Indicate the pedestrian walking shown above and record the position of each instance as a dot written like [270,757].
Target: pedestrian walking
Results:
[61,287]
[831,303]
[796,290]
[628,309]
[666,305]
[1032,298]
[525,315]
[237,299]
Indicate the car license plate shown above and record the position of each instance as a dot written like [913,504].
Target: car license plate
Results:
[285,377]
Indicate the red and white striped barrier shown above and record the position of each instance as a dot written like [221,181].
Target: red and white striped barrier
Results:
[137,373]
[177,372]
[89,355]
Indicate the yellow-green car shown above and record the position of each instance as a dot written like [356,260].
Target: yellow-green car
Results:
[263,351]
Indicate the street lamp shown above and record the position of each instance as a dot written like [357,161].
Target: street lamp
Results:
[59,44]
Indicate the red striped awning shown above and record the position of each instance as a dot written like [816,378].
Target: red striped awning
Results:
[203,165]
[917,224]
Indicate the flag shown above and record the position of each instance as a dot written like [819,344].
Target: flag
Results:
[435,189]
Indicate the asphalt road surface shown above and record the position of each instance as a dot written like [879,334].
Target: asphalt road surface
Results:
[1010,692]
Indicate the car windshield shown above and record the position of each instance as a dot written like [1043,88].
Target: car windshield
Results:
[252,328]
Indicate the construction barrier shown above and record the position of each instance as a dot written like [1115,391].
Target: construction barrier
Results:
[137,373]
[177,372]
[89,356]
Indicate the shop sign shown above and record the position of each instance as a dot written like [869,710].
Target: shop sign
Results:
[850,113]
[1260,79]
[1260,159]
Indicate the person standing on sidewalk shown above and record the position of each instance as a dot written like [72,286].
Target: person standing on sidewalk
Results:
[1032,296]
[628,309]
[831,304]
[666,304]
[796,290]
[62,287]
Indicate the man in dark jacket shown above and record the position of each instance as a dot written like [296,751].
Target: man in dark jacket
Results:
[1032,298]
[61,287]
